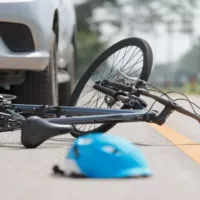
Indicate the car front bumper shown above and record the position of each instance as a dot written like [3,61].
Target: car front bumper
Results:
[36,60]
[24,12]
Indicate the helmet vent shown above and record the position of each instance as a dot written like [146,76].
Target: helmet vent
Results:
[110,149]
[76,151]
[84,141]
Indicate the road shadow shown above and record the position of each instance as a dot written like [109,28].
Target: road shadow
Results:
[54,143]
[49,144]
[80,178]
[66,140]
[11,145]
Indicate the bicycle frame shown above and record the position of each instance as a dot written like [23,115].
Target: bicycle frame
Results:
[78,115]
[35,130]
[66,110]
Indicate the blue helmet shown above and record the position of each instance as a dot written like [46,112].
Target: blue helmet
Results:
[105,156]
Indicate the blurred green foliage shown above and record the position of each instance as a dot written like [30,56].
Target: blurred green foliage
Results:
[89,47]
[135,15]
[189,62]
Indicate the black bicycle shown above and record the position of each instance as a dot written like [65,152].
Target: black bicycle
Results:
[109,92]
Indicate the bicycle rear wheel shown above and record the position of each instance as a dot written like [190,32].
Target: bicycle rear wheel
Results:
[118,56]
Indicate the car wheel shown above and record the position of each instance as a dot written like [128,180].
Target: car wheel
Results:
[40,87]
[65,89]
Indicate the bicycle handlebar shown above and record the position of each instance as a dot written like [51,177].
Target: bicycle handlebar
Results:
[141,91]
[166,102]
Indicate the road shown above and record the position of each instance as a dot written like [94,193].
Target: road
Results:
[172,152]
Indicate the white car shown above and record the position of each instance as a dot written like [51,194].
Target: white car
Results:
[37,50]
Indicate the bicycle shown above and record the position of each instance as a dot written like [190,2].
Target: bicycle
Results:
[120,94]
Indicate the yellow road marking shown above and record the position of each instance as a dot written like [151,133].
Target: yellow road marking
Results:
[189,147]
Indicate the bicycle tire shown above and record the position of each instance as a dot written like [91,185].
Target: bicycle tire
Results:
[145,73]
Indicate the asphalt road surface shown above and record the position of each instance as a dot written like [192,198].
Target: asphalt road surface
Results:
[172,151]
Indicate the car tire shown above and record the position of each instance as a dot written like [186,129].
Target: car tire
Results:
[66,89]
[40,87]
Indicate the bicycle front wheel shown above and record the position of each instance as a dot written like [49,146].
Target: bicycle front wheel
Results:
[133,56]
